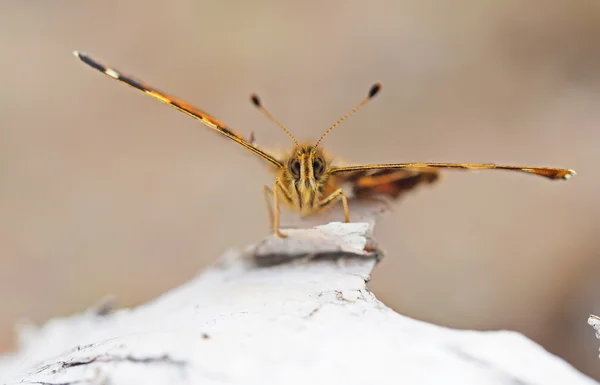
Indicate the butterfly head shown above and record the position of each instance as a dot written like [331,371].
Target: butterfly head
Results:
[306,167]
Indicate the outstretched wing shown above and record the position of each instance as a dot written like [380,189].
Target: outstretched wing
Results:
[550,173]
[181,105]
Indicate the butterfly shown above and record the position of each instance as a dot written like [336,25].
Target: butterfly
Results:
[307,181]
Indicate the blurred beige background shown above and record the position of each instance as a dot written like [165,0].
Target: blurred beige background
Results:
[106,191]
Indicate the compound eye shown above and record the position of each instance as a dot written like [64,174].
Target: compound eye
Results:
[295,167]
[318,166]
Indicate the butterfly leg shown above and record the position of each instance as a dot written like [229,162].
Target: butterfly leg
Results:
[278,188]
[268,196]
[339,193]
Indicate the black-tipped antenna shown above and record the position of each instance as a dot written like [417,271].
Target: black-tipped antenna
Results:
[256,101]
[373,91]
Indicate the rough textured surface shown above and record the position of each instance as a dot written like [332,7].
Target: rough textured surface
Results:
[305,319]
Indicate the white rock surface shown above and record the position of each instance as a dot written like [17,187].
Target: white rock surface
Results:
[309,319]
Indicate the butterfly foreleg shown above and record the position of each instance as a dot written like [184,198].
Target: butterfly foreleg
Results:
[333,198]
[278,189]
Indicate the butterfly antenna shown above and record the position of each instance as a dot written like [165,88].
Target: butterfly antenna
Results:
[375,88]
[256,101]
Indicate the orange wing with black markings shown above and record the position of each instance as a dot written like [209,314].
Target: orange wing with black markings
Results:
[306,180]
[179,104]
[390,183]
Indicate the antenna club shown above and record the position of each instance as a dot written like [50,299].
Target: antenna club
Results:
[255,100]
[375,88]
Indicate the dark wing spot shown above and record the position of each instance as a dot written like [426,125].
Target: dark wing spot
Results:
[136,84]
[89,61]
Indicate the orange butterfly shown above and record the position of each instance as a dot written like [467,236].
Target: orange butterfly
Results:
[306,181]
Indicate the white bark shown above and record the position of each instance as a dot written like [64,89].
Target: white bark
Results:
[294,311]
[594,321]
